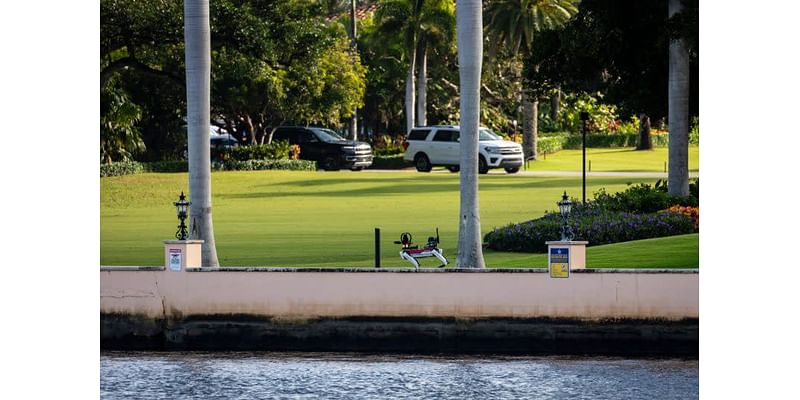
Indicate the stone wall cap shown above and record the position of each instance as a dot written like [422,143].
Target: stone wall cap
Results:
[412,270]
[567,243]
[184,241]
[130,268]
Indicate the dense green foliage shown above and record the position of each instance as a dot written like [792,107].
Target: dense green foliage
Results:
[273,62]
[286,61]
[618,48]
[641,198]
[119,136]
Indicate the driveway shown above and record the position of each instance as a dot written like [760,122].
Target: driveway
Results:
[693,174]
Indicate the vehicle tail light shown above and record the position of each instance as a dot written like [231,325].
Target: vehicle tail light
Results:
[405,145]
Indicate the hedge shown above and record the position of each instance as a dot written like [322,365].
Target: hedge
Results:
[389,162]
[592,223]
[134,167]
[277,150]
[552,143]
[258,165]
[121,168]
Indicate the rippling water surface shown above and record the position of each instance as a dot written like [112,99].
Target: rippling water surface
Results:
[143,375]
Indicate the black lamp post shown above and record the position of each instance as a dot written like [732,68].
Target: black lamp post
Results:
[565,206]
[182,207]
[585,120]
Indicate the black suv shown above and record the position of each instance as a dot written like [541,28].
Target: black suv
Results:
[326,147]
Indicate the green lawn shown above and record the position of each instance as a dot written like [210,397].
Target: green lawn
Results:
[618,159]
[282,218]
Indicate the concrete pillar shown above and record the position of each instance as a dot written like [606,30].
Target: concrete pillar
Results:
[575,251]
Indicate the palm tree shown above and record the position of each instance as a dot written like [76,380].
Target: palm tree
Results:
[678,176]
[512,23]
[354,50]
[437,31]
[470,57]
[198,77]
[419,22]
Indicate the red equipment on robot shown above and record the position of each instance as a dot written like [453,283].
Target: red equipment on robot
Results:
[410,252]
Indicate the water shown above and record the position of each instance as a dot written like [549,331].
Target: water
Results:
[152,375]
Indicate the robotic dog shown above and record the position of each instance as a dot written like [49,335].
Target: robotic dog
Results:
[411,252]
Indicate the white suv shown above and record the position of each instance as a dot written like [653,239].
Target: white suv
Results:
[429,146]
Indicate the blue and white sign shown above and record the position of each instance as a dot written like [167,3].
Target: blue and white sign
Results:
[558,262]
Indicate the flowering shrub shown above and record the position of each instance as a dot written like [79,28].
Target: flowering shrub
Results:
[590,222]
[692,212]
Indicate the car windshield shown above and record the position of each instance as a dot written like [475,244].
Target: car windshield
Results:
[487,134]
[327,135]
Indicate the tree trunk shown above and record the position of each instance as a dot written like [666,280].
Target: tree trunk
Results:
[198,106]
[555,104]
[354,120]
[678,176]
[251,129]
[470,56]
[422,85]
[645,142]
[410,93]
[530,125]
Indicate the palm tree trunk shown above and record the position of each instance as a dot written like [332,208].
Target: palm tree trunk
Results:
[354,120]
[410,93]
[198,103]
[645,142]
[678,176]
[555,104]
[422,85]
[469,22]
[530,125]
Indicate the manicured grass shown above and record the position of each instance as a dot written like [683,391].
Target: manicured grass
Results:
[283,218]
[680,251]
[617,159]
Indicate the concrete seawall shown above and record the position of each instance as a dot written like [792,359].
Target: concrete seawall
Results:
[521,311]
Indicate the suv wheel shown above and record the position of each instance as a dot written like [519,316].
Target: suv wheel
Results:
[329,164]
[482,167]
[454,168]
[512,170]
[422,163]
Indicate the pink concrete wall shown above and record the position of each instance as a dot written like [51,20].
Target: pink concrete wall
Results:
[488,294]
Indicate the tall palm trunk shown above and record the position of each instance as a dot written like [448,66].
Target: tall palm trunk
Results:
[530,125]
[678,176]
[555,104]
[410,93]
[422,85]
[354,120]
[198,78]
[469,23]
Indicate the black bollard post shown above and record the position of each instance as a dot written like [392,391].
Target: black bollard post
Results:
[377,247]
[584,119]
